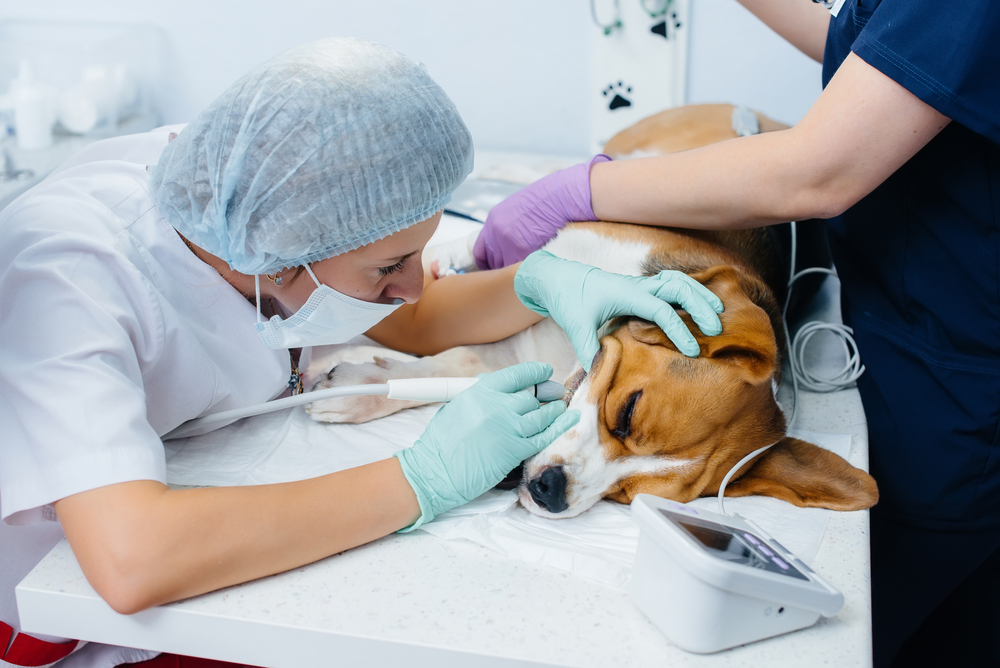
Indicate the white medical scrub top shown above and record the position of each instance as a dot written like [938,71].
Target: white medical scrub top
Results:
[112,333]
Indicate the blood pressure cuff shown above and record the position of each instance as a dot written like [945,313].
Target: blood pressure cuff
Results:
[944,53]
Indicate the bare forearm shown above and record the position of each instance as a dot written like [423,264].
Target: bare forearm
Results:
[479,307]
[862,129]
[734,184]
[163,545]
[802,23]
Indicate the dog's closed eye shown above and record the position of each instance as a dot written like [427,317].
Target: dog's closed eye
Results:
[623,425]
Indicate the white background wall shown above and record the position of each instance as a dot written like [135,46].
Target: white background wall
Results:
[518,70]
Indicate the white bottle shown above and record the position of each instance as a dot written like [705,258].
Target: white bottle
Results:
[34,110]
[91,102]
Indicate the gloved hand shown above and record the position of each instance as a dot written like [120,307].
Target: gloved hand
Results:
[581,298]
[479,437]
[526,220]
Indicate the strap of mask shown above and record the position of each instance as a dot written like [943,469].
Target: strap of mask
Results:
[256,285]
[315,280]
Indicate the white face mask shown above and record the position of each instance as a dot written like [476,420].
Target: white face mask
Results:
[327,317]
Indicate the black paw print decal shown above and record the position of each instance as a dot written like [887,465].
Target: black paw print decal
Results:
[616,92]
[661,27]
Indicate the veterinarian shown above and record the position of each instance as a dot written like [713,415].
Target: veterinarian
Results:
[901,154]
[158,277]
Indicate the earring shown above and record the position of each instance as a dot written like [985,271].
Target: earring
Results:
[274,278]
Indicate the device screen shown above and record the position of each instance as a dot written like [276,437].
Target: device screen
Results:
[733,545]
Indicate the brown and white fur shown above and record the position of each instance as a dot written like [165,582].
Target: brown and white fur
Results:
[652,420]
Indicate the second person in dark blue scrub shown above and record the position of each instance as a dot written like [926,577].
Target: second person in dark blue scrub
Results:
[901,153]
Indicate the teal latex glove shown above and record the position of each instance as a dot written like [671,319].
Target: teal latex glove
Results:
[581,298]
[479,437]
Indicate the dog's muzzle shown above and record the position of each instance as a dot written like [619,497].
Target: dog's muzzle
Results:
[548,489]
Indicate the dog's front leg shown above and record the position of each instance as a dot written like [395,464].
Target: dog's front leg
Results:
[460,362]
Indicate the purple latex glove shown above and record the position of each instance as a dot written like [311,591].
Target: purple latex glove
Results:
[525,221]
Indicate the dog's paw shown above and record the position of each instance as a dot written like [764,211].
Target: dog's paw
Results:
[330,357]
[362,408]
[455,255]
[352,409]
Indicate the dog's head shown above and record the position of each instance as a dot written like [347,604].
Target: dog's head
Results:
[657,422]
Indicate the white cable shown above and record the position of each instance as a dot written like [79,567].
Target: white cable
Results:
[275,405]
[796,358]
[797,346]
[431,390]
[725,481]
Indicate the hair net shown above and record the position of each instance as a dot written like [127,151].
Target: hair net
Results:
[321,150]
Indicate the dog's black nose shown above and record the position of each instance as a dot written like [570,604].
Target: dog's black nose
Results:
[549,489]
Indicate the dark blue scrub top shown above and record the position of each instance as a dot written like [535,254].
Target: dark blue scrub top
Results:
[919,262]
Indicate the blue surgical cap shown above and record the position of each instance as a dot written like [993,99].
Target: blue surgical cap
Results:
[321,150]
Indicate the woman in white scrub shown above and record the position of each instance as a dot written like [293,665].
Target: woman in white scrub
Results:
[156,278]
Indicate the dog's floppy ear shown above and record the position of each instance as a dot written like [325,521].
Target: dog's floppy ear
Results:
[747,336]
[807,476]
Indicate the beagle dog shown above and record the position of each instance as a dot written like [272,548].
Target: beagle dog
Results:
[652,420]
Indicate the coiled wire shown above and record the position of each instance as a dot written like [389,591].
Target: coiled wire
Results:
[801,375]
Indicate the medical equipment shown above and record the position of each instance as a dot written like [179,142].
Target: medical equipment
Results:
[745,122]
[34,105]
[639,52]
[406,389]
[710,582]
[659,8]
[100,95]
[473,199]
[9,172]
[79,77]
[507,427]
[852,369]
[609,27]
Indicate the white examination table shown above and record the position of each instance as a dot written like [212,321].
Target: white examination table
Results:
[419,600]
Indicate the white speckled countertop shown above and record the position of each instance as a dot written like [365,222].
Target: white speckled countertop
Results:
[414,599]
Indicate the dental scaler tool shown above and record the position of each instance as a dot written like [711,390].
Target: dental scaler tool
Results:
[408,389]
